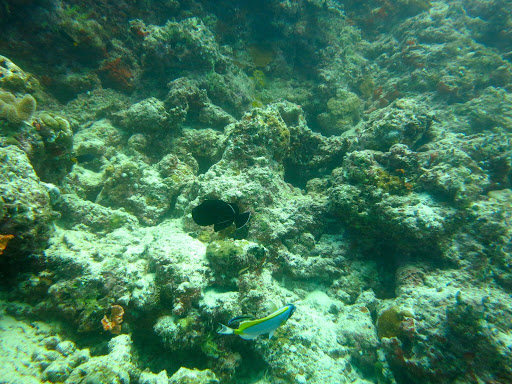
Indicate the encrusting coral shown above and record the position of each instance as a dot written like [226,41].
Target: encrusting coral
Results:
[16,110]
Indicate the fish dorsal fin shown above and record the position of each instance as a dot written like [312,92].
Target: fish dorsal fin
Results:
[240,318]
[242,219]
[273,305]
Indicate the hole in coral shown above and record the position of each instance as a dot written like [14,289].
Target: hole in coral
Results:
[204,165]
[296,176]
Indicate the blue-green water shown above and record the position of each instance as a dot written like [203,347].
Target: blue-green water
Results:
[370,142]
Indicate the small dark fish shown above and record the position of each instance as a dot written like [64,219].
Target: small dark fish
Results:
[85,158]
[219,214]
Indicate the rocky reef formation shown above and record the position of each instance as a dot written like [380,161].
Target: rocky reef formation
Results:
[371,143]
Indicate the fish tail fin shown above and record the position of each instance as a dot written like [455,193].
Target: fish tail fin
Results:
[224,330]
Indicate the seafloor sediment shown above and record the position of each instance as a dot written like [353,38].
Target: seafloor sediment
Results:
[370,140]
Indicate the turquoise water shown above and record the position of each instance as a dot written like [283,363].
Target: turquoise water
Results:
[369,141]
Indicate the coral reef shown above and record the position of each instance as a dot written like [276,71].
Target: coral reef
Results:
[371,142]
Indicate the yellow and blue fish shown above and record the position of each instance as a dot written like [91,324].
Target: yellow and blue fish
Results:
[250,328]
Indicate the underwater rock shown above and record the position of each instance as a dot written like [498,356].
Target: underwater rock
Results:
[230,89]
[490,110]
[86,33]
[218,304]
[368,197]
[193,376]
[96,218]
[117,73]
[489,221]
[178,333]
[229,258]
[141,189]
[358,333]
[431,52]
[305,259]
[98,270]
[189,48]
[187,45]
[116,367]
[188,102]
[429,316]
[392,237]
[152,378]
[38,356]
[83,182]
[148,116]
[67,87]
[27,211]
[205,145]
[95,105]
[12,77]
[179,265]
[405,121]
[57,372]
[53,162]
[344,112]
[185,98]
[454,175]
[251,170]
[315,351]
[98,140]
[374,18]
[311,154]
[214,116]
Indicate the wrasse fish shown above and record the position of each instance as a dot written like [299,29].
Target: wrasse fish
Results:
[250,328]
